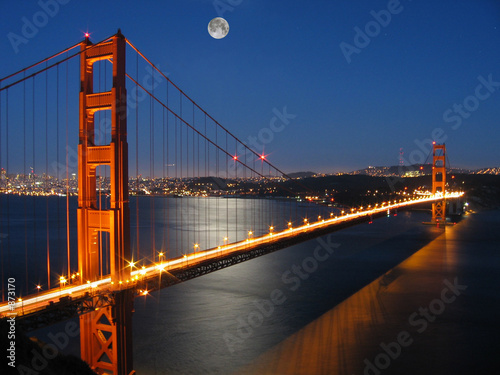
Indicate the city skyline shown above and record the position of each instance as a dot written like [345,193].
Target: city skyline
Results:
[354,83]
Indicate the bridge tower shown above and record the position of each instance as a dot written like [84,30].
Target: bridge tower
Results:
[105,333]
[439,182]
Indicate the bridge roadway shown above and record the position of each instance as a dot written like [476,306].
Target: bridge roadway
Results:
[66,301]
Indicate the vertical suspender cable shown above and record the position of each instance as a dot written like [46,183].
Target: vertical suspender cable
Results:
[167,214]
[67,178]
[164,231]
[152,168]
[25,203]
[99,141]
[7,176]
[187,223]
[137,158]
[59,255]
[47,170]
[33,182]
[207,164]
[176,208]
[106,235]
[181,179]
[255,201]
[196,175]
[227,192]
[219,188]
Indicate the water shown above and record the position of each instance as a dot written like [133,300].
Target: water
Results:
[339,314]
[34,228]
[220,322]
[324,306]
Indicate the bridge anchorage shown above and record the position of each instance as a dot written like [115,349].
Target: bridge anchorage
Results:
[103,300]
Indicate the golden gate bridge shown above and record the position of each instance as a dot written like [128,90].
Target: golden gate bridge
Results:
[182,149]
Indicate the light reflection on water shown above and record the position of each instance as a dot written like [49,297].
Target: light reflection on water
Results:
[337,317]
[36,226]
[205,325]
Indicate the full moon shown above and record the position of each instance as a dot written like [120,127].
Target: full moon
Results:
[218,28]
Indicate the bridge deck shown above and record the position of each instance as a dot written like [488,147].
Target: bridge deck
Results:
[42,309]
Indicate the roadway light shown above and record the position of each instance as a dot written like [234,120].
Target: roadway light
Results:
[195,247]
[225,241]
[62,281]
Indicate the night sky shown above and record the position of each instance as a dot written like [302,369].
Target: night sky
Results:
[358,80]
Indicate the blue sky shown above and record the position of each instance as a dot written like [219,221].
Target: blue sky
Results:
[429,70]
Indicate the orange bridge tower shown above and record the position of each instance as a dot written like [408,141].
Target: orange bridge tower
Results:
[105,333]
[439,182]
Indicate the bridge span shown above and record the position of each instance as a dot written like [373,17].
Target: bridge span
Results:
[82,296]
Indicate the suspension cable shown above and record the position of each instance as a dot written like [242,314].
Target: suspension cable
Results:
[40,62]
[201,109]
[51,66]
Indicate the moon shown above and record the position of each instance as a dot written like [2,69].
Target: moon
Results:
[218,28]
